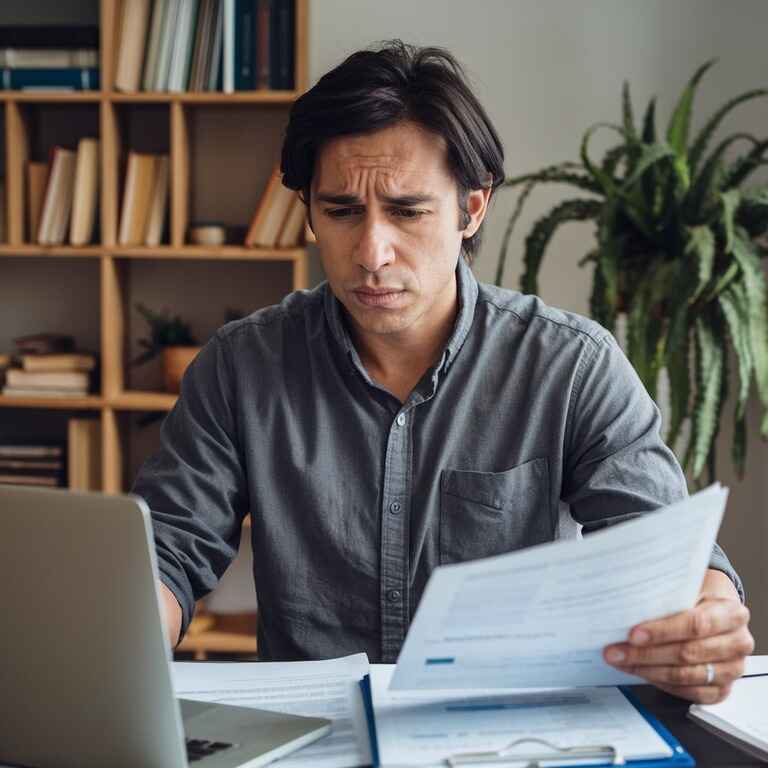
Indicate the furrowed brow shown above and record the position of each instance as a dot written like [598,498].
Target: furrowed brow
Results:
[403,200]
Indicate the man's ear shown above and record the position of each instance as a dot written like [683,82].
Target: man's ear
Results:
[477,206]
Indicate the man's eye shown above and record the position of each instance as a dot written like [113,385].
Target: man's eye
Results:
[408,213]
[340,213]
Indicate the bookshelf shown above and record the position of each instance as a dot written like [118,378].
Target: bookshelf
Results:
[194,129]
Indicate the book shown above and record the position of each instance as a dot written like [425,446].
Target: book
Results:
[229,46]
[263,23]
[3,233]
[44,343]
[293,226]
[12,391]
[133,30]
[49,36]
[282,35]
[85,192]
[58,198]
[47,465]
[17,377]
[170,20]
[24,451]
[139,179]
[270,212]
[37,180]
[48,481]
[49,58]
[159,201]
[77,361]
[60,79]
[84,454]
[245,45]
[182,46]
[199,49]
[152,57]
[218,47]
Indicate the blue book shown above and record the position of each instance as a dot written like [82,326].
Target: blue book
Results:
[245,45]
[68,79]
[282,26]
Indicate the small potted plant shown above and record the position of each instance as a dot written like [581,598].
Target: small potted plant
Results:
[171,338]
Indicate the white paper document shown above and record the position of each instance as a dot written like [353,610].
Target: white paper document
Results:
[327,689]
[542,616]
[743,716]
[421,729]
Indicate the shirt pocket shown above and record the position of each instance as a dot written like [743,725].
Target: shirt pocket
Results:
[489,513]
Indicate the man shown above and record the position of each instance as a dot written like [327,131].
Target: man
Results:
[402,415]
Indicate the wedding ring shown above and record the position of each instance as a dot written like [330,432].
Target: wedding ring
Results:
[710,673]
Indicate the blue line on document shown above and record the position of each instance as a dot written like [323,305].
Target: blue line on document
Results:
[446,660]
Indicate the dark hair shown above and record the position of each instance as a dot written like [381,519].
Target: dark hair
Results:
[373,89]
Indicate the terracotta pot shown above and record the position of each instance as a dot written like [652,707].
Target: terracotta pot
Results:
[175,362]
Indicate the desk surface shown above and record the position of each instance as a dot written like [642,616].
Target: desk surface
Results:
[706,748]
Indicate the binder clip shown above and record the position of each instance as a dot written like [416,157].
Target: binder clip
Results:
[558,755]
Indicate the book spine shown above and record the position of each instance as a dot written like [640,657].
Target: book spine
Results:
[262,44]
[245,13]
[281,34]
[228,78]
[71,78]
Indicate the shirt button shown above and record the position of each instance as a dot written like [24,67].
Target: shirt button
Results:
[401,420]
[393,595]
[394,507]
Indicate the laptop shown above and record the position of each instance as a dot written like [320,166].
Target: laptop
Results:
[85,678]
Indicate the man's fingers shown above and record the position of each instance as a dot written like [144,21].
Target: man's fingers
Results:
[696,675]
[710,617]
[725,647]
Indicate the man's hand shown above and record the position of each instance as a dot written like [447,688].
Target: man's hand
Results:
[171,615]
[695,654]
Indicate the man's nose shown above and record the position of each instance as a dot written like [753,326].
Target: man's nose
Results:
[375,248]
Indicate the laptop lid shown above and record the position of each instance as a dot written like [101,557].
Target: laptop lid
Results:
[84,663]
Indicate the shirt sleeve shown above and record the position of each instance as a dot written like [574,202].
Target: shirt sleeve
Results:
[195,484]
[617,465]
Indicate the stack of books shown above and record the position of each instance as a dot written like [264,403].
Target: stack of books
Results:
[206,45]
[62,196]
[61,58]
[48,366]
[279,218]
[41,465]
[145,199]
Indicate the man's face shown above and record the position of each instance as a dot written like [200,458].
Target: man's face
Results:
[385,213]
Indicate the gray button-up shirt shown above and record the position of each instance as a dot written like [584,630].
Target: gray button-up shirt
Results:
[355,496]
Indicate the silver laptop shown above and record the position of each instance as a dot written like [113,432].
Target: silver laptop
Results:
[85,678]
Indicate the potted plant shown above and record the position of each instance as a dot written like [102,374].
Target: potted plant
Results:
[679,246]
[170,337]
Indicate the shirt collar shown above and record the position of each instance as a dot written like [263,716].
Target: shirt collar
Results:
[467,291]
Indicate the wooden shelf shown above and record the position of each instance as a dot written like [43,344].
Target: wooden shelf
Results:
[57,251]
[133,400]
[90,402]
[204,97]
[225,252]
[52,97]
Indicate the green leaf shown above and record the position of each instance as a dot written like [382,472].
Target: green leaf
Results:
[745,253]
[706,133]
[562,173]
[604,301]
[539,237]
[679,124]
[649,123]
[730,202]
[605,181]
[628,117]
[744,166]
[701,244]
[649,155]
[706,186]
[678,368]
[733,303]
[709,361]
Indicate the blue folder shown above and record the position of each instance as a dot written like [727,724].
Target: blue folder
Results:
[679,759]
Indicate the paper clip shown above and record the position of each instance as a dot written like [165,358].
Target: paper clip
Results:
[602,754]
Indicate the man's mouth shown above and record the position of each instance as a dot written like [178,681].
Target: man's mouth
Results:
[377,297]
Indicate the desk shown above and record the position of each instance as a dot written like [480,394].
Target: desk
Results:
[707,750]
